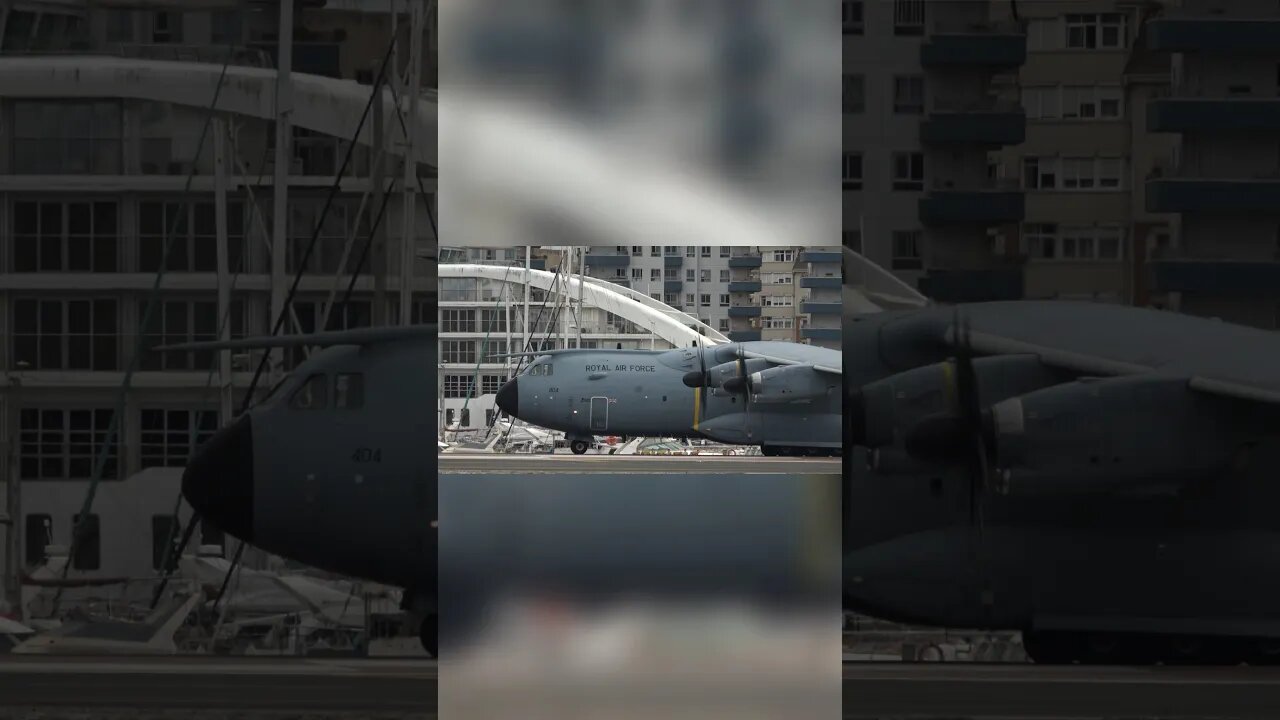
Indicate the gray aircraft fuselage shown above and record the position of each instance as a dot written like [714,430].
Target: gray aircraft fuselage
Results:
[332,469]
[586,393]
[1191,560]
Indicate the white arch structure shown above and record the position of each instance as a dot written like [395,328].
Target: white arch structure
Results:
[666,322]
[320,104]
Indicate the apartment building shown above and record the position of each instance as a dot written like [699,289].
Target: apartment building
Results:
[92,187]
[1222,179]
[1083,89]
[921,116]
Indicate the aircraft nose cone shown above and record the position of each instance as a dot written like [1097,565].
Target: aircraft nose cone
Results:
[509,398]
[218,481]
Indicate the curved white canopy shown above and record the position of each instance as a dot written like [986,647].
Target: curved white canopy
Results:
[664,321]
[320,104]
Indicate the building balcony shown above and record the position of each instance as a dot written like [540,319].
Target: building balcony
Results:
[991,205]
[594,260]
[1216,278]
[1214,34]
[820,308]
[672,286]
[744,286]
[744,335]
[957,286]
[744,311]
[982,123]
[974,45]
[1186,190]
[821,283]
[746,261]
[1182,114]
[820,333]
[538,263]
[820,256]
[673,261]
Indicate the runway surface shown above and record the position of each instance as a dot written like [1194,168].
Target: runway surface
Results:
[962,690]
[205,683]
[742,464]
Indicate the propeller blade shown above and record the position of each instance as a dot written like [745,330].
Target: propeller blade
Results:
[973,421]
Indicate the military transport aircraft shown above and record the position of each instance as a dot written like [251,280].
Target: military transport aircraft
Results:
[784,397]
[1105,479]
[330,469]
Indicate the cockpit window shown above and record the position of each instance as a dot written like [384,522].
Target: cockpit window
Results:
[348,390]
[543,369]
[312,395]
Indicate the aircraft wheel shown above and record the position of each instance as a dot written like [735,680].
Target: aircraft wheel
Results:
[768,451]
[578,447]
[428,634]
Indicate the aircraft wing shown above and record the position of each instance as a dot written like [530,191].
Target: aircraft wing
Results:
[992,344]
[776,360]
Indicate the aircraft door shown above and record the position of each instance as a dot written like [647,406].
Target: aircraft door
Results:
[599,414]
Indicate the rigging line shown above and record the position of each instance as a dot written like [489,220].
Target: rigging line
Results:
[375,93]
[172,552]
[113,426]
[368,243]
[484,344]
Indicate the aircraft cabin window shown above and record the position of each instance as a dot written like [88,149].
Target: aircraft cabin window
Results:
[348,390]
[544,369]
[311,396]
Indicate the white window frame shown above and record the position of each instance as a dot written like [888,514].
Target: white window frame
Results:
[911,181]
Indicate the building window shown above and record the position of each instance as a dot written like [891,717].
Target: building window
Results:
[491,351]
[64,444]
[119,26]
[778,301]
[853,240]
[343,316]
[458,351]
[491,384]
[339,223]
[851,16]
[908,94]
[1090,102]
[191,232]
[704,251]
[66,138]
[493,320]
[704,299]
[851,173]
[1039,173]
[853,94]
[456,321]
[724,299]
[37,535]
[724,251]
[169,438]
[906,250]
[65,334]
[655,274]
[776,278]
[1095,31]
[723,324]
[166,27]
[458,386]
[163,540]
[908,17]
[637,273]
[704,276]
[724,275]
[688,300]
[783,256]
[182,321]
[1073,243]
[908,171]
[224,27]
[65,236]
[637,251]
[691,251]
[89,546]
